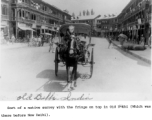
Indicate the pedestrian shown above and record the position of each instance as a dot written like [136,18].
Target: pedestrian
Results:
[110,41]
[142,40]
[50,43]
[39,41]
[13,39]
[149,42]
[43,39]
[7,39]
[53,44]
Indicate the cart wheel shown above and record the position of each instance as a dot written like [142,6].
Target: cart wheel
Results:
[56,62]
[91,64]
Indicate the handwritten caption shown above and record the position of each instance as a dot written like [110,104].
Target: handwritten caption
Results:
[54,96]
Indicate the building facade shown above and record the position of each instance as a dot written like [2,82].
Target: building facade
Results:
[5,7]
[108,25]
[135,18]
[33,17]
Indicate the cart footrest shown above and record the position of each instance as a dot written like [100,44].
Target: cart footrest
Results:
[92,45]
[92,62]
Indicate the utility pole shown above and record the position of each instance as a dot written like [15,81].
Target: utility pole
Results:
[16,23]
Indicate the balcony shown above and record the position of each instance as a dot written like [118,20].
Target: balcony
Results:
[22,20]
[29,7]
[5,17]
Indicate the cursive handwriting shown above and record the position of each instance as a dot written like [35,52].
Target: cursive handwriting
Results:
[53,96]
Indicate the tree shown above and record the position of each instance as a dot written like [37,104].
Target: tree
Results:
[87,12]
[92,12]
[84,12]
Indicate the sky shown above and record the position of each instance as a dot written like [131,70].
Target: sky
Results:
[102,7]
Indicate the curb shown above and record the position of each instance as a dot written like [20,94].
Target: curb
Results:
[135,55]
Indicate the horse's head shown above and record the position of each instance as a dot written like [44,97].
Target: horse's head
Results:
[72,45]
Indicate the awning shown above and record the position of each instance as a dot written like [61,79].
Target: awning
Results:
[25,28]
[52,29]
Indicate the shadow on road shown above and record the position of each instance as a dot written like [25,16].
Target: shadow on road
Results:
[139,62]
[54,83]
[54,87]
[50,74]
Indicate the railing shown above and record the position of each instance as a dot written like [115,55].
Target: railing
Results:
[5,17]
[38,10]
[22,20]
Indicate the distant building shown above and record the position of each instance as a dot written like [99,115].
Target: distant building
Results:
[107,24]
[91,20]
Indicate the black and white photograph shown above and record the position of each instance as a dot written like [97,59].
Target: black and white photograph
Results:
[96,50]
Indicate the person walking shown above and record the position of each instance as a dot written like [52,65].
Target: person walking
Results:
[13,39]
[7,39]
[53,43]
[142,40]
[149,42]
[43,39]
[110,41]
[50,43]
[39,41]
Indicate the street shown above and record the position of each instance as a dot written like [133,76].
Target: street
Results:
[31,69]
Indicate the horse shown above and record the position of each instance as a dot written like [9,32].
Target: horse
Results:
[71,61]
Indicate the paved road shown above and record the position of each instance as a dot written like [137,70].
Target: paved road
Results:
[31,69]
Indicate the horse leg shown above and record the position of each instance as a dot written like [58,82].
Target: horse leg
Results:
[68,77]
[75,75]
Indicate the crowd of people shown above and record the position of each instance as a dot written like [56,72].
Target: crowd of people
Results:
[40,40]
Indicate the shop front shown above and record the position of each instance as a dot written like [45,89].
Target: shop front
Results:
[25,31]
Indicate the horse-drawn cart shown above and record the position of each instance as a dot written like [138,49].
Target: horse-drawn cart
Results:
[82,53]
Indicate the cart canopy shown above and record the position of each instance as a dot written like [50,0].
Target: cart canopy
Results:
[78,28]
